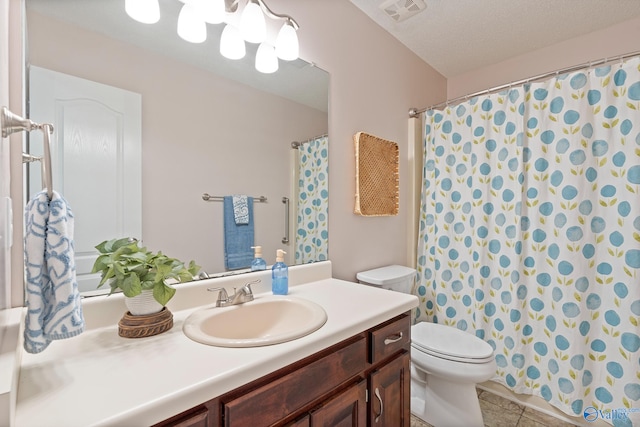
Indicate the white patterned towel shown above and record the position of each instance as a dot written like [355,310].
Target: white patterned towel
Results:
[240,209]
[54,309]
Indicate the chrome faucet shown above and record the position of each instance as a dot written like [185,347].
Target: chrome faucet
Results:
[245,294]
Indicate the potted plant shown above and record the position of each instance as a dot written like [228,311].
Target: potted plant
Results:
[142,275]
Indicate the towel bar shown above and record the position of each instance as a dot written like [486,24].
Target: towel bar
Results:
[206,197]
[285,239]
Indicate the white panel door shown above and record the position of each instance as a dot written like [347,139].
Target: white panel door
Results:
[96,158]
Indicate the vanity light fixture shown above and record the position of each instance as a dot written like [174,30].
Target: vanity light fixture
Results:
[287,42]
[145,11]
[286,46]
[253,26]
[195,14]
[266,59]
[253,30]
[232,43]
[211,11]
[191,26]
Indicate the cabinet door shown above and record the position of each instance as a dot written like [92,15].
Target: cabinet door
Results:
[347,409]
[389,394]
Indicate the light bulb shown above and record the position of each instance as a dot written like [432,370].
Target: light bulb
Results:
[211,11]
[191,27]
[266,59]
[145,11]
[287,47]
[252,25]
[231,43]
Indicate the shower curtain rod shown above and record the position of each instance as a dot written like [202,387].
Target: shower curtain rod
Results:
[296,144]
[414,112]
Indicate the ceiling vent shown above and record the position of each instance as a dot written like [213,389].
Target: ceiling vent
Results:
[399,10]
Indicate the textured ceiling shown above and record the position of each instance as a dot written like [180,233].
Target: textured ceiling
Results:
[457,36]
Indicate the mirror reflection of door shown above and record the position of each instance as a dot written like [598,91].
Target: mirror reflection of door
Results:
[96,160]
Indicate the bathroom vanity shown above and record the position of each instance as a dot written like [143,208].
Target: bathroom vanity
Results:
[351,371]
[361,381]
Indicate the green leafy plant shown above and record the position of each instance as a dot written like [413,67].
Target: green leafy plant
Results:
[131,268]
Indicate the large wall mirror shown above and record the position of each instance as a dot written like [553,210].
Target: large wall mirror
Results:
[205,124]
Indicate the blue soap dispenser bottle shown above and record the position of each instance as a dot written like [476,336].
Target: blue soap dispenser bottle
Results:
[258,263]
[280,275]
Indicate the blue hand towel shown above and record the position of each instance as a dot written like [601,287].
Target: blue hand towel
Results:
[238,238]
[54,309]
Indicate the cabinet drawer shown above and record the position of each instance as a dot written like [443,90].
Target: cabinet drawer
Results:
[390,338]
[285,395]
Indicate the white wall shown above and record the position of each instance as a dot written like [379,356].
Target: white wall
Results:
[374,82]
[11,96]
[610,42]
[5,254]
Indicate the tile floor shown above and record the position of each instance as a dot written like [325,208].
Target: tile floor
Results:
[500,412]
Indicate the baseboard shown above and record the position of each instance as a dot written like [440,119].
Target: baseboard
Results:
[538,404]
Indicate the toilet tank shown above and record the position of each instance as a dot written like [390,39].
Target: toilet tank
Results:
[393,277]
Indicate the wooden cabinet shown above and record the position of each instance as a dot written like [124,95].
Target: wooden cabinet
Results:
[389,338]
[390,393]
[362,381]
[347,409]
[270,401]
[390,376]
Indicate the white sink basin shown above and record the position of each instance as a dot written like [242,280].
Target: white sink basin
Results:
[264,321]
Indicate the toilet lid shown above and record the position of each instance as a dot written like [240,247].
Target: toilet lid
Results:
[450,343]
[386,275]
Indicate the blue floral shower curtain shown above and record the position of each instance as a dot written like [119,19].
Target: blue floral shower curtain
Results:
[530,235]
[312,231]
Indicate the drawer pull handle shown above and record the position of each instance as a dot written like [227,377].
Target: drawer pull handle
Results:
[393,338]
[377,393]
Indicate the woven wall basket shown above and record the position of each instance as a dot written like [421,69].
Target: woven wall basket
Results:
[376,176]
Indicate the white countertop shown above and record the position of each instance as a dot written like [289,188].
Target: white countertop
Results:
[101,379]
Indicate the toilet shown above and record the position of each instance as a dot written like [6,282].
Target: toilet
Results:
[446,363]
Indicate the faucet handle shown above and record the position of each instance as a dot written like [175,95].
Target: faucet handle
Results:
[247,288]
[222,295]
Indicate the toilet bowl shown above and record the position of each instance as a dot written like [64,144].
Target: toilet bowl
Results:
[446,363]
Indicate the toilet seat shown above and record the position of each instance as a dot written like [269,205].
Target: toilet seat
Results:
[450,343]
